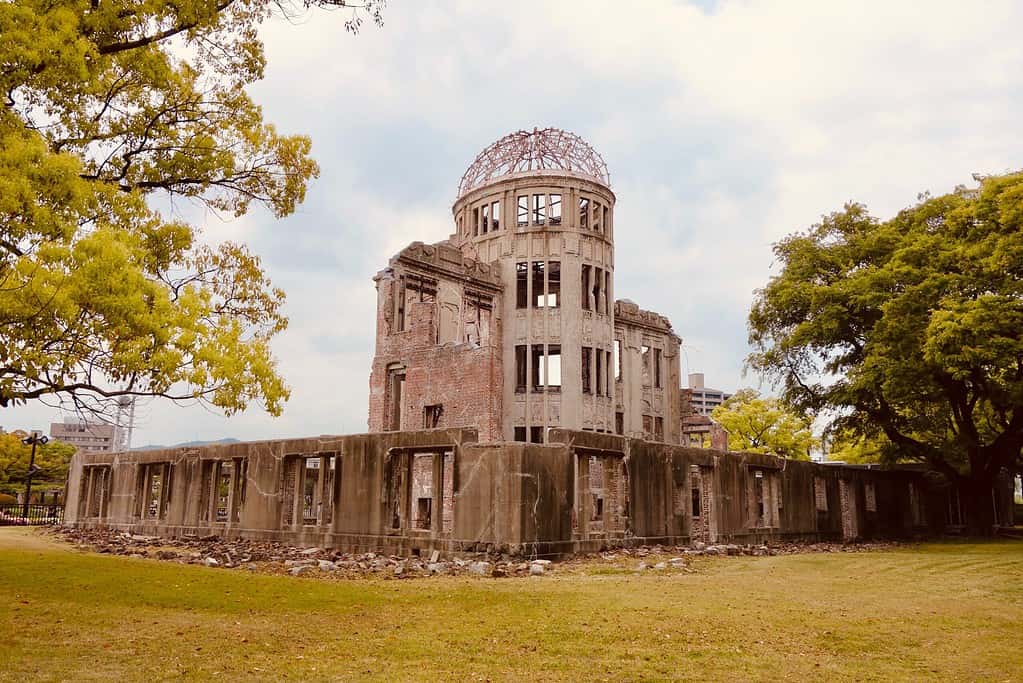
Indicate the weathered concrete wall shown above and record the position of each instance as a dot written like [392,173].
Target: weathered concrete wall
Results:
[414,492]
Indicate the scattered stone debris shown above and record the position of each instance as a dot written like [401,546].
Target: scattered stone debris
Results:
[279,558]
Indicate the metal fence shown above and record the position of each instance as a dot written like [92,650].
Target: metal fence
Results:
[12,514]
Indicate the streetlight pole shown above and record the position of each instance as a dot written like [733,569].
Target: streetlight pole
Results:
[35,439]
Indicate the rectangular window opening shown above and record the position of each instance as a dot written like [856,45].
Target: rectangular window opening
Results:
[554,284]
[645,354]
[587,352]
[657,368]
[600,372]
[584,213]
[311,502]
[618,360]
[224,483]
[522,214]
[521,285]
[485,227]
[586,287]
[539,297]
[555,209]
[495,216]
[520,369]
[432,416]
[536,434]
[539,209]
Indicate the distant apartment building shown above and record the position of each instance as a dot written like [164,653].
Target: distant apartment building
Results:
[703,399]
[88,437]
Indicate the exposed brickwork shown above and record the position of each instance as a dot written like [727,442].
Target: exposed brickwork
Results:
[446,358]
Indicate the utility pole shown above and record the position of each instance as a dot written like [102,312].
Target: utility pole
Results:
[35,439]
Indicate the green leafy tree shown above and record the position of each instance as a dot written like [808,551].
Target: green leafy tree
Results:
[764,425]
[104,103]
[911,327]
[52,458]
[844,445]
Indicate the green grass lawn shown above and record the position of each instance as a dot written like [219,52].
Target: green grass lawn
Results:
[932,612]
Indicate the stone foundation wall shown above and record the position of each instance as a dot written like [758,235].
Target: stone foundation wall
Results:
[417,491]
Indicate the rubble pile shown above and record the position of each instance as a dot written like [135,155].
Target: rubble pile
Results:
[277,558]
[271,557]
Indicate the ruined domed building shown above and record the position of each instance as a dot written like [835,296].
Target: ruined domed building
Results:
[515,406]
[511,325]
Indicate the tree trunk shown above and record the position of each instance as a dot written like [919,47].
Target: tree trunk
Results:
[976,496]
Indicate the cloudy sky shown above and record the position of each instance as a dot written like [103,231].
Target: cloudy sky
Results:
[725,125]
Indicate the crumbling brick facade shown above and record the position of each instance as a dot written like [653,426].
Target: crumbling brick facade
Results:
[438,359]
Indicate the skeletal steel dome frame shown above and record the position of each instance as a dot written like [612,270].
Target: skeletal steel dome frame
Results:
[542,149]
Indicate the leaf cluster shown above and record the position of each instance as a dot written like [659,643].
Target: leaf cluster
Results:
[53,459]
[104,103]
[765,425]
[911,329]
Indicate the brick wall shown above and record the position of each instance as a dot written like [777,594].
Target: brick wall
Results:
[465,378]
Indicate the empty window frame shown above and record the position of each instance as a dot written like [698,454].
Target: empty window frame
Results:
[586,288]
[395,399]
[413,288]
[659,429]
[422,490]
[495,216]
[595,221]
[695,484]
[597,290]
[476,222]
[600,371]
[521,285]
[154,490]
[522,210]
[535,434]
[608,305]
[476,318]
[759,499]
[657,368]
[310,487]
[648,426]
[224,484]
[587,363]
[618,360]
[520,369]
[607,222]
[609,389]
[619,423]
[553,298]
[539,298]
[584,213]
[432,416]
[554,210]
[95,492]
[546,367]
[485,223]
[539,209]
[645,355]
